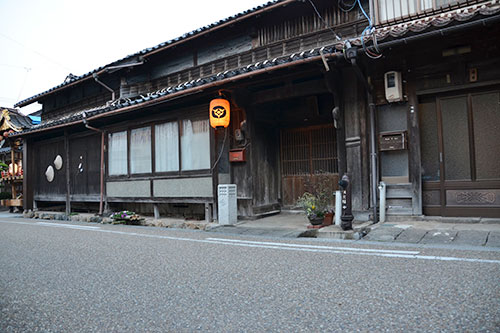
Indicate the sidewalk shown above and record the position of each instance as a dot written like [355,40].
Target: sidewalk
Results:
[452,232]
[428,232]
[291,225]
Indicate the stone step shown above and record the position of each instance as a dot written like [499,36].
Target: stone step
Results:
[398,191]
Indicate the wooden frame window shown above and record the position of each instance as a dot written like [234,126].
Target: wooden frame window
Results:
[195,144]
[117,153]
[167,147]
[140,150]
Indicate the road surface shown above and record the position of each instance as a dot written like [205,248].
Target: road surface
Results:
[83,277]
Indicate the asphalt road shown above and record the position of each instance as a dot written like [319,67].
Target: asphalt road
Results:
[62,277]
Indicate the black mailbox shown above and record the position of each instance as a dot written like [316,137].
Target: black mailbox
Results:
[393,141]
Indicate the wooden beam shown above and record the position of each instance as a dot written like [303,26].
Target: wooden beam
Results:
[288,91]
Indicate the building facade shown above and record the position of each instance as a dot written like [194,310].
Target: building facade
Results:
[135,133]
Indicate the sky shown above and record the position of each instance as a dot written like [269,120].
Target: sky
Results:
[42,41]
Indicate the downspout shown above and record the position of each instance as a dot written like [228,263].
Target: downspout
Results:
[373,145]
[96,78]
[101,200]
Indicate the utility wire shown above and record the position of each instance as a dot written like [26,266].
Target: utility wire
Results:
[14,66]
[221,150]
[341,4]
[24,83]
[324,22]
[35,51]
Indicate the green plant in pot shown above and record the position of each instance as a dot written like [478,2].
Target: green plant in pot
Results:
[314,205]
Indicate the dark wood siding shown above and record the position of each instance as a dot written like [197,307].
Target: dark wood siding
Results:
[46,152]
[84,165]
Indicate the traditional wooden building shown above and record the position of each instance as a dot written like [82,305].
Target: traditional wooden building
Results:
[11,155]
[136,134]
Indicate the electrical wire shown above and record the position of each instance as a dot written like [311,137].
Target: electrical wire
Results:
[351,7]
[221,150]
[23,84]
[368,52]
[324,22]
[370,29]
[34,51]
[364,13]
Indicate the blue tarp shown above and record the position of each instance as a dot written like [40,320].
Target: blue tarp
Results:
[35,120]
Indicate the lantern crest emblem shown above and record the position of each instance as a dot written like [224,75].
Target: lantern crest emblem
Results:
[219,113]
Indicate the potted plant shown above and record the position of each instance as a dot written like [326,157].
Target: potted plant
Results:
[315,206]
[317,200]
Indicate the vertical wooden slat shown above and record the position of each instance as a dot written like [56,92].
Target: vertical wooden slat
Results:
[472,152]
[67,166]
[441,157]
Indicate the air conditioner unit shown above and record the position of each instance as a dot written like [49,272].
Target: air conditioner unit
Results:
[228,209]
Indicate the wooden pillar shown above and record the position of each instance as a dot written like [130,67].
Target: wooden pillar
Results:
[414,155]
[66,164]
[27,180]
[333,80]
[13,162]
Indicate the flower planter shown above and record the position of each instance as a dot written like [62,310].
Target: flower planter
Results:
[328,219]
[316,221]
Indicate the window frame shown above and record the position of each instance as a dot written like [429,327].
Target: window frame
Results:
[164,174]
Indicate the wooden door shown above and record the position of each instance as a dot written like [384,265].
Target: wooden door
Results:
[461,154]
[308,160]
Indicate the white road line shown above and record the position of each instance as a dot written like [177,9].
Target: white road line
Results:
[69,226]
[271,245]
[315,246]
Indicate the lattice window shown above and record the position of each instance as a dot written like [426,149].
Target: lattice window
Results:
[309,151]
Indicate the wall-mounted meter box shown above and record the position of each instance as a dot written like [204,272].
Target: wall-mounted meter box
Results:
[393,86]
[388,141]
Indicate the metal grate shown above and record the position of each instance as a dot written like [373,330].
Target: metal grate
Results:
[396,11]
[309,151]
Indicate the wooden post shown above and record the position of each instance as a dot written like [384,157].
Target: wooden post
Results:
[333,79]
[13,162]
[208,212]
[66,164]
[27,179]
[414,158]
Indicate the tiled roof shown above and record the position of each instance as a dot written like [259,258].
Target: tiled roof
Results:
[395,32]
[486,9]
[145,52]
[13,119]
[187,87]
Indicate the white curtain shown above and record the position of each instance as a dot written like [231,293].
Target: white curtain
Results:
[140,150]
[167,147]
[117,153]
[195,145]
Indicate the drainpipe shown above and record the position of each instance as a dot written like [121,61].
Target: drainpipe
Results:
[101,200]
[96,78]
[373,145]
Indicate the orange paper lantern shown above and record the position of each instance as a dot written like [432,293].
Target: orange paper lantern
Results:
[219,113]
